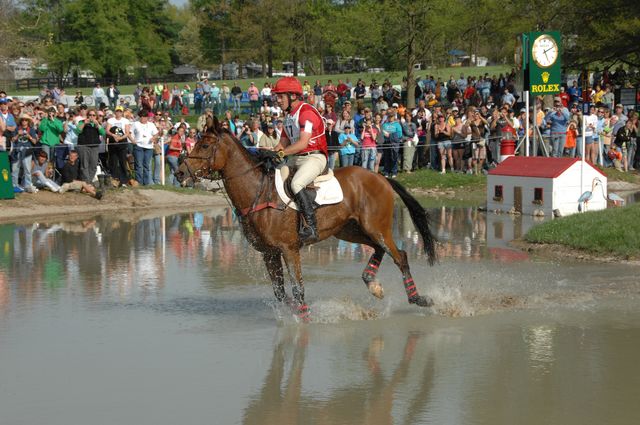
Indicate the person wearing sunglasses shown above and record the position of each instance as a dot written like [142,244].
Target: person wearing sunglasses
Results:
[89,131]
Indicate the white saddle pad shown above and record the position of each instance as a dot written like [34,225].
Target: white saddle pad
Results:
[328,192]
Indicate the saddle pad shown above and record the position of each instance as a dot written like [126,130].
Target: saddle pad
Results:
[328,192]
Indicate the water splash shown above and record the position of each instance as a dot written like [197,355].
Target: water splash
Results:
[329,311]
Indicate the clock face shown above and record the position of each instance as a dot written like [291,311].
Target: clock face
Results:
[545,51]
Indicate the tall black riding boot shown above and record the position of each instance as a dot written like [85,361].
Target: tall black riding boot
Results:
[308,233]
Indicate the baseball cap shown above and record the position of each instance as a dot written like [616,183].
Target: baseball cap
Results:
[3,100]
[119,108]
[455,108]
[395,105]
[347,126]
[619,105]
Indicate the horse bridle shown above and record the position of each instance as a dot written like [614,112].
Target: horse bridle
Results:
[195,176]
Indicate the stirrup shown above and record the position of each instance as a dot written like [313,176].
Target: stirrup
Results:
[308,234]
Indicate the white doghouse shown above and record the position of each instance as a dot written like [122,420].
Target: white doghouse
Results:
[541,185]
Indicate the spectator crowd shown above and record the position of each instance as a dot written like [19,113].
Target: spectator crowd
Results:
[457,126]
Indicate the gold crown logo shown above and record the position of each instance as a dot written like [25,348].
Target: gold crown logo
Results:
[545,77]
[5,175]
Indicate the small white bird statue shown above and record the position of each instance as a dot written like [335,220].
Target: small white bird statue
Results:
[588,195]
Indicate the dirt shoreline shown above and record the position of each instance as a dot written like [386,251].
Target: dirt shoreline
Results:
[562,252]
[48,205]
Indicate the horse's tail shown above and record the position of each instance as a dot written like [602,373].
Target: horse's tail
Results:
[419,217]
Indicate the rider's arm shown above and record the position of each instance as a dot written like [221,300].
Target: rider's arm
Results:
[284,142]
[300,145]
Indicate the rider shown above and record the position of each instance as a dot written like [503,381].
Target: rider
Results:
[303,140]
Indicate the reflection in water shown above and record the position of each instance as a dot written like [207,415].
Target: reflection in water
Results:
[376,398]
[170,309]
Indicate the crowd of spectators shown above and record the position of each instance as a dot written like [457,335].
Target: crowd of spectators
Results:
[457,126]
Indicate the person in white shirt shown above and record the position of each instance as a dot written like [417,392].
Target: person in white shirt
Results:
[590,146]
[144,135]
[98,95]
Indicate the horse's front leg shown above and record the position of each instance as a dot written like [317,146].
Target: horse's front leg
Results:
[273,261]
[292,259]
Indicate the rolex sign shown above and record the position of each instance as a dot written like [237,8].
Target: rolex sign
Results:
[542,62]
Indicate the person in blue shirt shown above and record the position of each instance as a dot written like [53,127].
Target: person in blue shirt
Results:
[575,93]
[392,132]
[558,121]
[214,97]
[348,142]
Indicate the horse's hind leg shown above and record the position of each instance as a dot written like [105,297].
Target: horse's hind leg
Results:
[370,272]
[273,261]
[400,258]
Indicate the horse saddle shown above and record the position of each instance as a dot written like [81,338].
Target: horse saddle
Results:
[325,188]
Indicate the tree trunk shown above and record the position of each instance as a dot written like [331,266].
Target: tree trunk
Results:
[270,60]
[411,61]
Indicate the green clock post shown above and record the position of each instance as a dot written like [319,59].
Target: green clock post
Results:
[6,186]
[541,67]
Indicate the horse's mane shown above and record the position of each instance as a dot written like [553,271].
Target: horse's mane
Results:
[226,132]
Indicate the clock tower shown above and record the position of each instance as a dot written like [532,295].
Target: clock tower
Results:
[541,64]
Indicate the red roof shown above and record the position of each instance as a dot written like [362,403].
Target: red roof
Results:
[535,166]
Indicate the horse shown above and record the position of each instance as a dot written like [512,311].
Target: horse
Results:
[365,216]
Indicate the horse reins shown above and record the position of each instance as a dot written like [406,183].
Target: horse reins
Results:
[195,176]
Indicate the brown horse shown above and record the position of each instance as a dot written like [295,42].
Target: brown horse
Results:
[365,216]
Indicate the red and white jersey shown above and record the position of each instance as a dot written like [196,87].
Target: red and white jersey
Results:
[306,118]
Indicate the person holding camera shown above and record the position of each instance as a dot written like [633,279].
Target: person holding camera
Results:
[89,131]
[348,142]
[22,143]
[558,121]
[245,136]
[51,128]
[368,137]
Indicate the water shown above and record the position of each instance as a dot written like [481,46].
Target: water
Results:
[172,320]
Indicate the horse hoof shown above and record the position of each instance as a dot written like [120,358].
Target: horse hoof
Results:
[303,314]
[421,301]
[376,289]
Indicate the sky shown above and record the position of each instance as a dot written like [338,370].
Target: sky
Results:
[178,2]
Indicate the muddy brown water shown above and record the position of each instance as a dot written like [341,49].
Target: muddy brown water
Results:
[171,319]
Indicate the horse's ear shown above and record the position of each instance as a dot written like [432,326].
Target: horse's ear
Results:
[213,125]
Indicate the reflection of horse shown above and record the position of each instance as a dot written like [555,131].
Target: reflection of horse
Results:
[281,400]
[365,215]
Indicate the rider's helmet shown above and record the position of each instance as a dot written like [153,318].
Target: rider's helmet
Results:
[288,85]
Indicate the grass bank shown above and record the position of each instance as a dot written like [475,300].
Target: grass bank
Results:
[395,77]
[434,189]
[614,231]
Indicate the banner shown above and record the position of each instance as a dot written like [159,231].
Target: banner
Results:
[6,186]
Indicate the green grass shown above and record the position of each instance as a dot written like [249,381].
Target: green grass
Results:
[612,231]
[468,190]
[429,179]
[395,77]
[615,175]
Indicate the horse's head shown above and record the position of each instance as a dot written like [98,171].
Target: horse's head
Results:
[206,156]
